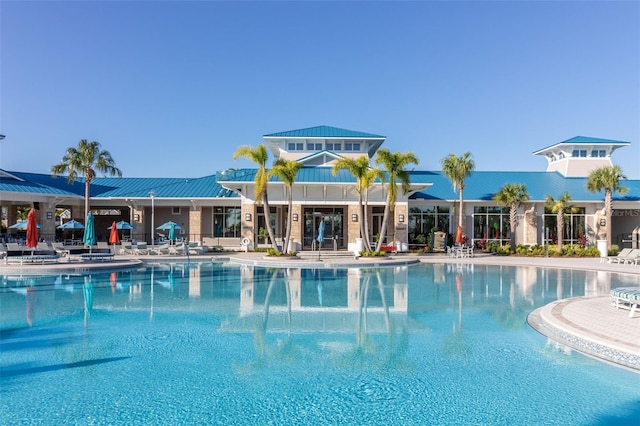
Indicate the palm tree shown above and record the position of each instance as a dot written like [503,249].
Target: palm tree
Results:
[287,170]
[558,207]
[367,180]
[259,155]
[394,164]
[358,168]
[512,195]
[607,179]
[457,169]
[85,160]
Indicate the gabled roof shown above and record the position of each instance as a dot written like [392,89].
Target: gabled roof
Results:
[584,140]
[326,132]
[324,153]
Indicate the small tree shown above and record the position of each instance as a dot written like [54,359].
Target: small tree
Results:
[394,164]
[512,195]
[259,155]
[607,179]
[558,207]
[457,169]
[84,160]
[287,170]
[358,168]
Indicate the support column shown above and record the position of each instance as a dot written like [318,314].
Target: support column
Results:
[195,224]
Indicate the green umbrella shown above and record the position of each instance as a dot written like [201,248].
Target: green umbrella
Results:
[89,231]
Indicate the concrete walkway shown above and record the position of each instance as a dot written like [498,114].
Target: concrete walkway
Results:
[591,325]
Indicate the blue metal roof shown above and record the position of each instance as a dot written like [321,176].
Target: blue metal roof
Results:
[325,132]
[482,186]
[36,183]
[584,140]
[587,139]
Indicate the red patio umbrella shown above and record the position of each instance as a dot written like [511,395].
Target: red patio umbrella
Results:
[114,237]
[459,235]
[32,229]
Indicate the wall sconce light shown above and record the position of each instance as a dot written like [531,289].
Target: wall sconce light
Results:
[354,218]
[247,217]
[49,215]
[603,222]
[401,218]
[295,217]
[136,217]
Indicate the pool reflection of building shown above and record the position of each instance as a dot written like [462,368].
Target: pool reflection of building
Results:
[311,300]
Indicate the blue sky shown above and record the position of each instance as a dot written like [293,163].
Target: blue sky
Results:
[171,88]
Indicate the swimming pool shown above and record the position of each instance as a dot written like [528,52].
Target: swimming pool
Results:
[215,343]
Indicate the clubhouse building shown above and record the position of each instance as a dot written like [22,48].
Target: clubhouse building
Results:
[221,210]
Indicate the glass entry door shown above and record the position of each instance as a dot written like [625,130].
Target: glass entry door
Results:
[334,238]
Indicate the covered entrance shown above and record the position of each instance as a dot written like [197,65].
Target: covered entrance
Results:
[334,238]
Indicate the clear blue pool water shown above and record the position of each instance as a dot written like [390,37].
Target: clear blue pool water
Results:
[214,343]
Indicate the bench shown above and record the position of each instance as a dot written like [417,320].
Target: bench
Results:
[626,298]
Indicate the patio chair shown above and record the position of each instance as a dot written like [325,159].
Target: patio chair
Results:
[141,249]
[60,250]
[161,249]
[620,257]
[126,248]
[632,257]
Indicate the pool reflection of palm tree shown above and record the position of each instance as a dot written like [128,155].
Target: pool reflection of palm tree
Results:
[367,347]
[261,327]
[455,345]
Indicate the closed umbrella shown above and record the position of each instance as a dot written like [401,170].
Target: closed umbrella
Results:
[320,235]
[123,224]
[89,238]
[172,232]
[459,238]
[32,229]
[114,238]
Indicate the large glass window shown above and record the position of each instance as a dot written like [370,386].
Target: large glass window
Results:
[422,219]
[226,221]
[574,229]
[491,223]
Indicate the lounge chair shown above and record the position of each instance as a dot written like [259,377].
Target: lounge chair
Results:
[195,248]
[140,249]
[161,249]
[626,298]
[126,248]
[60,250]
[632,257]
[621,257]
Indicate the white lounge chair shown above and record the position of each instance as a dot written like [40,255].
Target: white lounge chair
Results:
[140,249]
[620,257]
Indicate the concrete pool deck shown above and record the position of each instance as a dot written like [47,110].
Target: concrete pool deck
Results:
[590,324]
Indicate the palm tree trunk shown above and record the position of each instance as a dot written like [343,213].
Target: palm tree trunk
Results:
[512,222]
[560,227]
[87,195]
[461,206]
[267,220]
[608,202]
[385,221]
[285,249]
